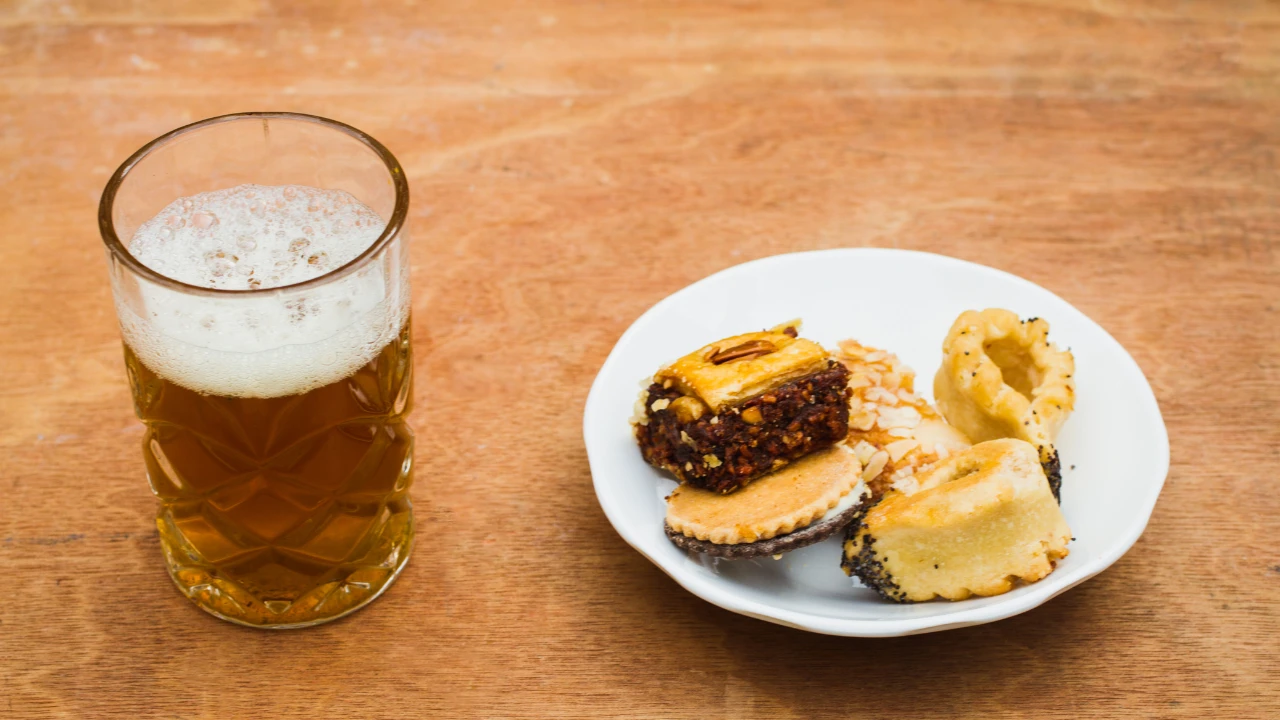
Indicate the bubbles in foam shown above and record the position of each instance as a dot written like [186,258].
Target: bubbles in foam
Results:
[256,236]
[251,237]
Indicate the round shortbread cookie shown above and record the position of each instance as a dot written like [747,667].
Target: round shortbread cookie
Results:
[803,537]
[777,504]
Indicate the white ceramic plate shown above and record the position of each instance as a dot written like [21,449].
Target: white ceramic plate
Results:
[1114,448]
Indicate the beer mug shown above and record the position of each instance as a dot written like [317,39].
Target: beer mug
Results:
[260,271]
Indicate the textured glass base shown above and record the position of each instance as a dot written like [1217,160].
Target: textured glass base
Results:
[243,594]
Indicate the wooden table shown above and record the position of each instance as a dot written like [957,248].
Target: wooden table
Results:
[571,165]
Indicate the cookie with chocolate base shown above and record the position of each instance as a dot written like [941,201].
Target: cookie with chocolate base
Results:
[798,505]
[810,535]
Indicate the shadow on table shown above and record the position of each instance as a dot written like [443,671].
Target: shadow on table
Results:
[1009,665]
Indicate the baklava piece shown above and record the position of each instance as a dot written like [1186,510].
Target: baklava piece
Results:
[894,432]
[805,502]
[978,523]
[739,408]
[1002,378]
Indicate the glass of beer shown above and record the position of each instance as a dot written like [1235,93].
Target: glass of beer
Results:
[260,271]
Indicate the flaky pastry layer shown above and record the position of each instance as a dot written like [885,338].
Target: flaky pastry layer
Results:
[729,371]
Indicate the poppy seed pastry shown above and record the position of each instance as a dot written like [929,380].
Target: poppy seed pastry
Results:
[1002,378]
[801,504]
[741,407]
[977,523]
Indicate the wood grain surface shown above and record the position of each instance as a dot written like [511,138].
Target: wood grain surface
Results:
[571,164]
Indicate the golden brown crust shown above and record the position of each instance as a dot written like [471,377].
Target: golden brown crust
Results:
[729,371]
[779,503]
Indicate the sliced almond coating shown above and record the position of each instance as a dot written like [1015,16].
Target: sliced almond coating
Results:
[897,431]
[897,449]
[779,503]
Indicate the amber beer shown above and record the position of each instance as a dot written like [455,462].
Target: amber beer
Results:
[260,274]
[278,511]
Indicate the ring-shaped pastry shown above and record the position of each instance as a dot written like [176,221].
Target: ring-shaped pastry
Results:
[1002,378]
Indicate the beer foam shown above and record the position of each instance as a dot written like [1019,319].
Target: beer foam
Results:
[253,237]
[256,236]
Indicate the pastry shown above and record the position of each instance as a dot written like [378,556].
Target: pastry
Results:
[1002,378]
[803,503]
[975,524]
[894,432]
[741,407]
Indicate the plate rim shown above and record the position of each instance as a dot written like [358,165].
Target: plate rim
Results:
[849,627]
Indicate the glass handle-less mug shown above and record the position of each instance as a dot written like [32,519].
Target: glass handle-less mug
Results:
[273,376]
